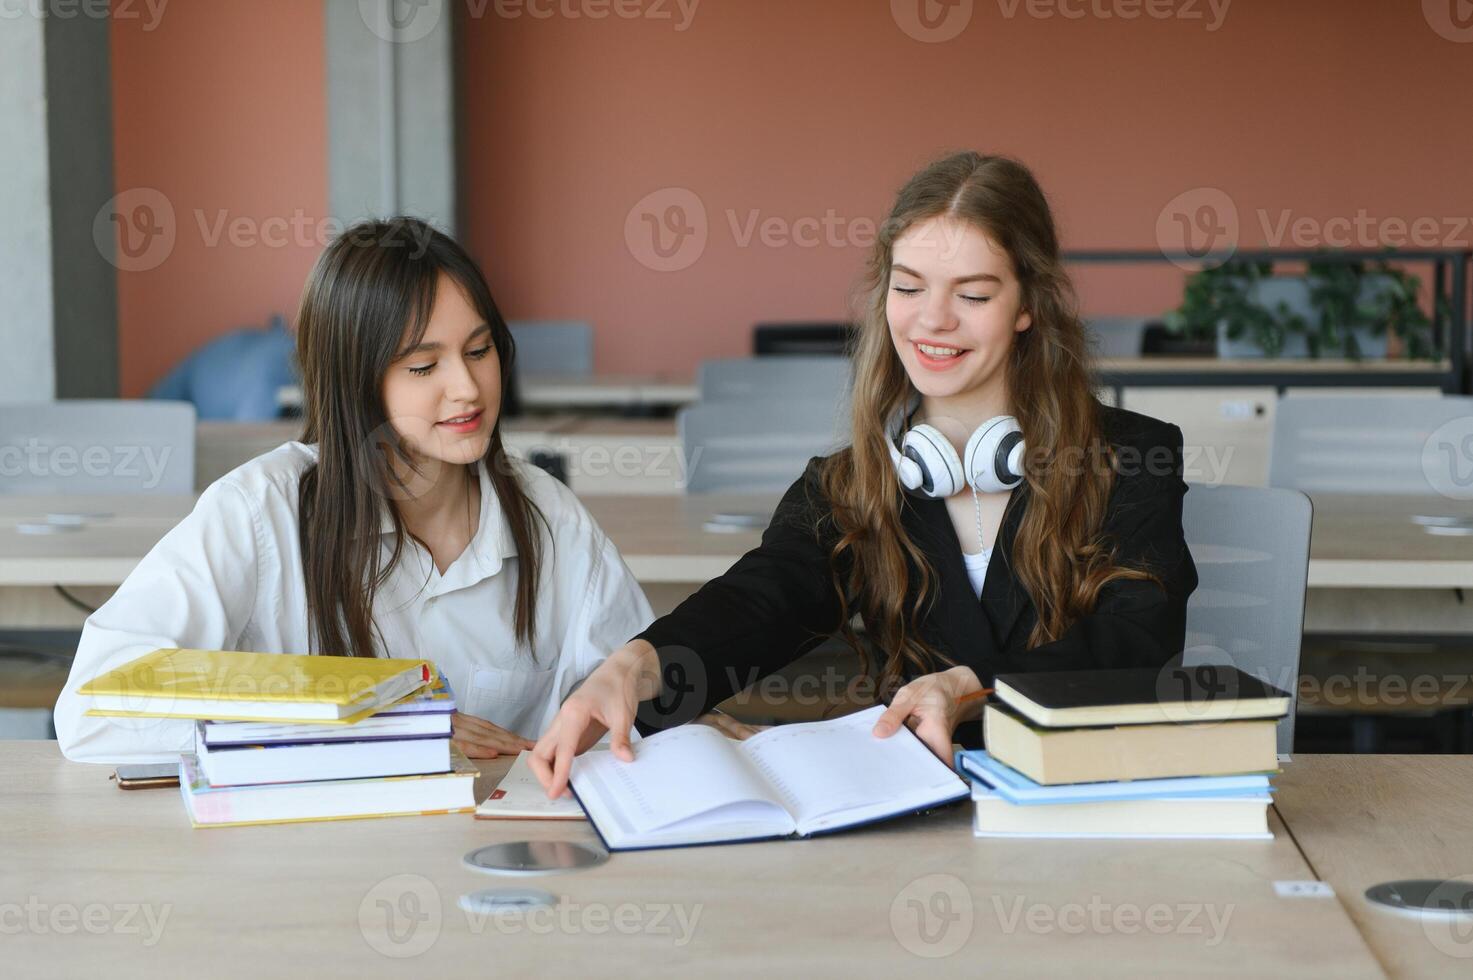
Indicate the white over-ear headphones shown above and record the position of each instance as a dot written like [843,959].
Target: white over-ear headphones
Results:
[929,467]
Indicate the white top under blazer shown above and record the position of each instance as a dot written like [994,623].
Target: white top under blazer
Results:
[229,577]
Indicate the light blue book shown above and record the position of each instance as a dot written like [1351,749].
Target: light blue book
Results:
[1015,787]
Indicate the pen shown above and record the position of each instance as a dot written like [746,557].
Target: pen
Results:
[965,698]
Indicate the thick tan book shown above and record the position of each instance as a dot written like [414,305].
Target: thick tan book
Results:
[1089,755]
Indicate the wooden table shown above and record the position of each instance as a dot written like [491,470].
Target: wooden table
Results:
[917,895]
[1358,542]
[1364,819]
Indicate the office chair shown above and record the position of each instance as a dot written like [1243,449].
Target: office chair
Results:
[1251,549]
[786,339]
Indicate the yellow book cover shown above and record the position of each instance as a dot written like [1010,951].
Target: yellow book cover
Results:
[214,684]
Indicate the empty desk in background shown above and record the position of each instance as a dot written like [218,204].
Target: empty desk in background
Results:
[876,901]
[222,446]
[638,393]
[1369,546]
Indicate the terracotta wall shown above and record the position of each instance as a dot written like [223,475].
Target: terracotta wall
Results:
[789,124]
[817,109]
[220,114]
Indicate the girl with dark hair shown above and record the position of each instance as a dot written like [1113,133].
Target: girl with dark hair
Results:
[398,526]
[989,516]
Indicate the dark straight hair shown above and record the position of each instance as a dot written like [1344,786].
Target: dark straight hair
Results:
[370,296]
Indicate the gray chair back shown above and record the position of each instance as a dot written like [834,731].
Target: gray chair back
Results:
[1251,549]
[753,379]
[1116,336]
[75,447]
[1381,444]
[758,446]
[561,348]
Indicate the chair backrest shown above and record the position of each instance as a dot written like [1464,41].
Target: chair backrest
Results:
[237,376]
[833,339]
[1251,549]
[70,448]
[753,379]
[562,348]
[1392,444]
[757,446]
[1117,336]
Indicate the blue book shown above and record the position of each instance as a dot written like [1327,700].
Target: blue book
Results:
[1017,788]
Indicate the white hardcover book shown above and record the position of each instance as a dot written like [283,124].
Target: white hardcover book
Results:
[337,799]
[692,785]
[239,765]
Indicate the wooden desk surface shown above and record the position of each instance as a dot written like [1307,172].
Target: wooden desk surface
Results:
[1362,820]
[349,898]
[1358,542]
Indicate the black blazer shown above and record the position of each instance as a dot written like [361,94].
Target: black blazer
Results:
[779,600]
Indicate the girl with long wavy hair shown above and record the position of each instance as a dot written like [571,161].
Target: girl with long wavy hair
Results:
[398,526]
[990,514]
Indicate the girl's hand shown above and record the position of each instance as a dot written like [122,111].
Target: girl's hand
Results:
[606,701]
[729,726]
[930,706]
[479,739]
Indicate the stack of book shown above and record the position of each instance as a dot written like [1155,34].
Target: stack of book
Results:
[1126,753]
[283,738]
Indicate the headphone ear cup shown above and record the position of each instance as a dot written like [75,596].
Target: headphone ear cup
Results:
[941,468]
[994,455]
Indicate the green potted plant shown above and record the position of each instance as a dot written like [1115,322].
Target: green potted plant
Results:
[1337,309]
[1226,303]
[1359,307]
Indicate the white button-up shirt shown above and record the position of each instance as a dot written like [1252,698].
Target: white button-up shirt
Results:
[229,577]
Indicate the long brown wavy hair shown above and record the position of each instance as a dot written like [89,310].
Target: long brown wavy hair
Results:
[370,296]
[1058,555]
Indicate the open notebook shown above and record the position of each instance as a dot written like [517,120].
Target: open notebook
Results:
[693,785]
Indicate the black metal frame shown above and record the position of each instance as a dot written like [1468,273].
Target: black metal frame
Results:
[1450,282]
